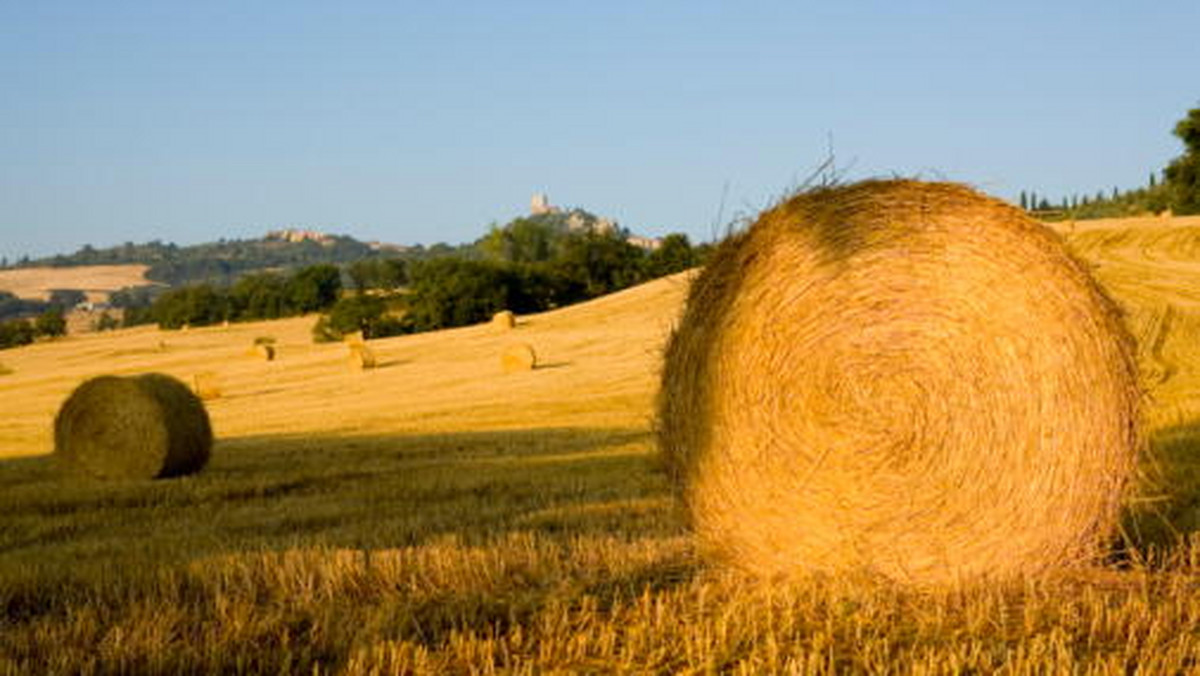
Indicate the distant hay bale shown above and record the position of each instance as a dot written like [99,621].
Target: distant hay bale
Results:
[905,378]
[361,357]
[4,370]
[518,357]
[264,351]
[504,320]
[206,385]
[264,340]
[355,338]
[140,427]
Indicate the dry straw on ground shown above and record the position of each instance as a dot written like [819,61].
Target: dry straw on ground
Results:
[361,356]
[518,357]
[907,379]
[140,427]
[504,320]
[206,385]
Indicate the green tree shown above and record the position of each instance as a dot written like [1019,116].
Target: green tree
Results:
[15,333]
[197,305]
[260,296]
[66,298]
[448,292]
[524,240]
[314,288]
[673,255]
[106,322]
[362,313]
[600,262]
[1182,175]
[51,323]
[377,273]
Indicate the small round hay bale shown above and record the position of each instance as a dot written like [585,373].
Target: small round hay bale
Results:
[504,320]
[518,357]
[355,338]
[905,378]
[4,370]
[264,351]
[140,427]
[206,385]
[361,357]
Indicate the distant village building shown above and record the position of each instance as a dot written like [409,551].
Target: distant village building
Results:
[296,236]
[579,220]
[647,243]
[540,204]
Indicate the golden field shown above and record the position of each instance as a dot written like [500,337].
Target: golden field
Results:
[436,515]
[97,281]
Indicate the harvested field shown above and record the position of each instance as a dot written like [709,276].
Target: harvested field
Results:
[97,281]
[431,516]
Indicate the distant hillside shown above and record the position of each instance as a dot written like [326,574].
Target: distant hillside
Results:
[95,281]
[225,260]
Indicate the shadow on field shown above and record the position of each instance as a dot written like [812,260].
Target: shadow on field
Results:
[1169,510]
[345,491]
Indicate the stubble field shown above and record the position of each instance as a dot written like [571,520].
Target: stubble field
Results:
[435,515]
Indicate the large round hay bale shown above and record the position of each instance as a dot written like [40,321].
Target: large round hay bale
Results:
[504,320]
[140,427]
[904,378]
[264,351]
[518,357]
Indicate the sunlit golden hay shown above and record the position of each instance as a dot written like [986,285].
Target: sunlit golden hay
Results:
[504,320]
[263,351]
[361,356]
[141,427]
[903,378]
[355,338]
[206,385]
[518,357]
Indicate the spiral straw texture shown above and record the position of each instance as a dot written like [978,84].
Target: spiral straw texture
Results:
[140,427]
[908,379]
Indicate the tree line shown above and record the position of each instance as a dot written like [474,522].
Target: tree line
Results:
[1175,188]
[22,320]
[530,265]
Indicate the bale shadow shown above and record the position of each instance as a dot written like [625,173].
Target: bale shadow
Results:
[1167,512]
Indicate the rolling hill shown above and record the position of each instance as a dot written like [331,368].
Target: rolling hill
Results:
[435,515]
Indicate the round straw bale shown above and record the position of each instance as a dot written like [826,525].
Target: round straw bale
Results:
[265,351]
[904,378]
[518,357]
[206,385]
[140,427]
[361,356]
[355,338]
[504,320]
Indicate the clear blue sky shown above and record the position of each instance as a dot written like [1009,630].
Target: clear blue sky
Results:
[424,122]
